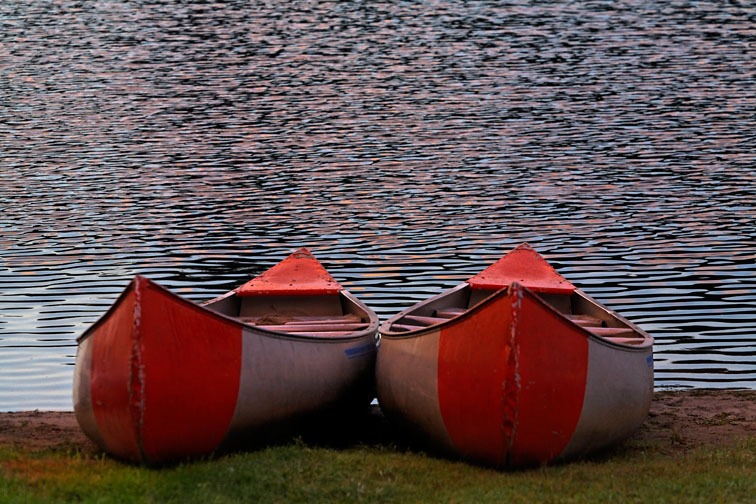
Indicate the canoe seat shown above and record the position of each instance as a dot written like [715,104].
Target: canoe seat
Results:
[314,327]
[406,327]
[321,325]
[613,332]
[627,341]
[448,313]
[586,320]
[414,322]
[424,321]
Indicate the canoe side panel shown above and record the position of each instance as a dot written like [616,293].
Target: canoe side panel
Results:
[190,362]
[110,379]
[282,378]
[407,386]
[552,364]
[476,388]
[82,397]
[619,391]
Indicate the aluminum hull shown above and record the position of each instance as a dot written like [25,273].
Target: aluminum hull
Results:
[159,377]
[513,379]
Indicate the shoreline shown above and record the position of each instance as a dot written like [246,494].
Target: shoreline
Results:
[678,421]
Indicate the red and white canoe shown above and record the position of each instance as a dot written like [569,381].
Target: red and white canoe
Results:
[515,367]
[159,377]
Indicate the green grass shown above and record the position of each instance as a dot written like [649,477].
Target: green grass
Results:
[304,473]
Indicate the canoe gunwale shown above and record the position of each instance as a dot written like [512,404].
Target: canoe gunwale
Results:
[140,282]
[433,327]
[470,312]
[648,339]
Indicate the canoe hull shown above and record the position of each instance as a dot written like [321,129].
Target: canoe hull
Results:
[512,382]
[160,378]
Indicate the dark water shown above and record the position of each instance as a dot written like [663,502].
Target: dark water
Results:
[407,143]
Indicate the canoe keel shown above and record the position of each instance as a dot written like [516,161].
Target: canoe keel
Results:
[513,383]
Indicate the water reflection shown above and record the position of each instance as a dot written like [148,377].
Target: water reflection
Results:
[408,144]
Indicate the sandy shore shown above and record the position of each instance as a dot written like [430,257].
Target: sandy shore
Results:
[678,421]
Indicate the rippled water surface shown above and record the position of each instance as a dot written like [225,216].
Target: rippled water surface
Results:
[407,143]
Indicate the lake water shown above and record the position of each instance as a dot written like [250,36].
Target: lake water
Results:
[408,144]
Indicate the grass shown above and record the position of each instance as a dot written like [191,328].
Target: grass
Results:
[301,472]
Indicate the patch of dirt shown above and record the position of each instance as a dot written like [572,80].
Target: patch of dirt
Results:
[43,430]
[678,421]
[684,420]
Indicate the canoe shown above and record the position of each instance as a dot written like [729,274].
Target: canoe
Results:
[515,367]
[159,378]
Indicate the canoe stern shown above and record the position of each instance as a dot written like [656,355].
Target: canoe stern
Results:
[103,397]
[154,371]
[502,385]
[516,377]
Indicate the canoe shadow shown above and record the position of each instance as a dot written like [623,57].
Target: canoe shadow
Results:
[369,427]
[333,429]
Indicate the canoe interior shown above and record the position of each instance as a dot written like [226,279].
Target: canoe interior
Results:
[577,307]
[327,316]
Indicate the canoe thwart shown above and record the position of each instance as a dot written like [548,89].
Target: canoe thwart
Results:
[319,334]
[449,312]
[627,341]
[613,332]
[425,321]
[586,320]
[280,319]
[405,327]
[314,327]
[325,319]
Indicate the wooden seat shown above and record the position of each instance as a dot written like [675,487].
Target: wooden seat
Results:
[426,321]
[326,319]
[318,325]
[405,327]
[627,341]
[448,313]
[414,322]
[613,332]
[585,320]
[320,334]
[314,327]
